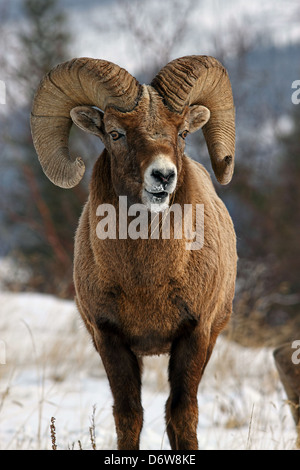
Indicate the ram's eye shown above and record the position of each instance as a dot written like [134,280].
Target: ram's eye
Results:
[184,134]
[115,135]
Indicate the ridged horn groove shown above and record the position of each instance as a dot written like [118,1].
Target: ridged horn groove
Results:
[83,81]
[203,80]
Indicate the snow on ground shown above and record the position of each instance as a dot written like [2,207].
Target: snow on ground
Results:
[48,368]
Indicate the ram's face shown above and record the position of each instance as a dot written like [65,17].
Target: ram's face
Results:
[146,147]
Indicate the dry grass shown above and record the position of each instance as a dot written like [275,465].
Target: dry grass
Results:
[52,371]
[92,432]
[53,433]
[232,410]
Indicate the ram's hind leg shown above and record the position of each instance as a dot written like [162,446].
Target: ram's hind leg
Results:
[123,370]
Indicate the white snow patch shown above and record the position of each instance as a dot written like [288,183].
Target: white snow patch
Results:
[52,370]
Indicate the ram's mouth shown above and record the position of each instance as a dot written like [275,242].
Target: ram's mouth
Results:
[155,201]
[158,195]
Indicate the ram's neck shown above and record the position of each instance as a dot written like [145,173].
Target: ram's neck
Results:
[101,187]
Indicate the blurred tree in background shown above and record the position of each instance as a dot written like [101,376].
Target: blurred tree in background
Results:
[46,216]
[285,210]
[155,37]
[44,42]
[267,304]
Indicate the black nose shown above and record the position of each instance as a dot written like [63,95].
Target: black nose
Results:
[163,178]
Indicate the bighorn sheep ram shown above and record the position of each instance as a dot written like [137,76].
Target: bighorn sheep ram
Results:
[289,374]
[146,296]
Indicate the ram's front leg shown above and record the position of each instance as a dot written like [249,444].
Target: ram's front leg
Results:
[189,355]
[124,374]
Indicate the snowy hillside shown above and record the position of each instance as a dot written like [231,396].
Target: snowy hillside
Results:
[52,370]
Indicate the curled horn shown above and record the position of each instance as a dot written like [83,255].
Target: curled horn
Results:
[82,81]
[203,80]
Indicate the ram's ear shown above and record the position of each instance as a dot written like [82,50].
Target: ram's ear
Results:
[199,115]
[88,119]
